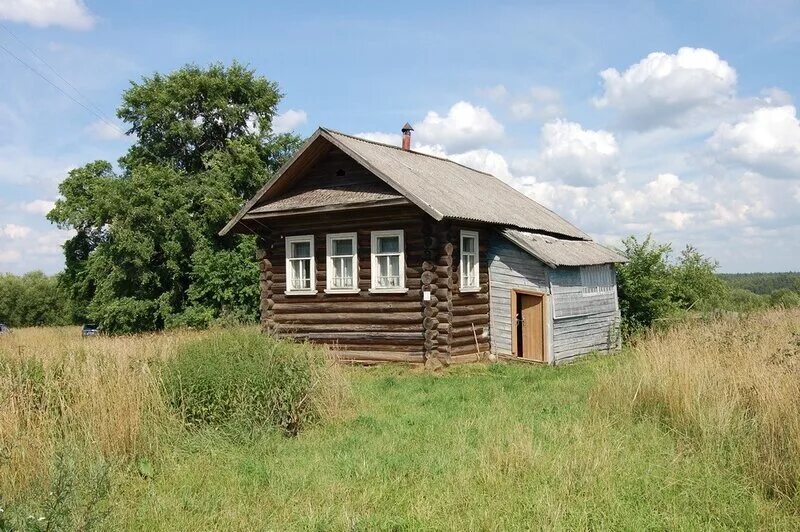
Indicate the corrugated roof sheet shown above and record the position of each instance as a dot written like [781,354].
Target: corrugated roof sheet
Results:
[454,190]
[558,252]
[322,197]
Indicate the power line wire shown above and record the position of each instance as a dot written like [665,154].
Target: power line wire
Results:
[48,65]
[96,113]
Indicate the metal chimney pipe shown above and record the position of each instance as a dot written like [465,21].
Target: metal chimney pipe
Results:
[407,129]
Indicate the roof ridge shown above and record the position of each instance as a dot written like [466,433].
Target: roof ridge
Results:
[506,185]
[445,159]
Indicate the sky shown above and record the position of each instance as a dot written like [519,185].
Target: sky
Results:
[672,118]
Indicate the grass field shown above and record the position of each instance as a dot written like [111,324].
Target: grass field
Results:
[599,444]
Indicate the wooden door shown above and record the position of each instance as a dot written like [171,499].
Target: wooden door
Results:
[532,314]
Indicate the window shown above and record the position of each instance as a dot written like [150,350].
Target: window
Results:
[388,262]
[342,271]
[597,279]
[300,270]
[470,281]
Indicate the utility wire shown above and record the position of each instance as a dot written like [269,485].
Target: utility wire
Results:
[96,112]
[48,65]
[59,89]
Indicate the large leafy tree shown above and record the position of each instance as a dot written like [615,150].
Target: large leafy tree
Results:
[652,286]
[146,254]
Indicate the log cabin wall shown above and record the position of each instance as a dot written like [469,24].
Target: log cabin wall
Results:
[363,326]
[469,308]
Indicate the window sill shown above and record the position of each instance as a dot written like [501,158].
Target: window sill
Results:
[300,292]
[473,290]
[388,290]
[347,291]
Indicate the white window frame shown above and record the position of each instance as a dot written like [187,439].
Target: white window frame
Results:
[374,262]
[330,289]
[313,266]
[476,253]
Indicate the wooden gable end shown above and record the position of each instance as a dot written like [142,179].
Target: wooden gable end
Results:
[334,181]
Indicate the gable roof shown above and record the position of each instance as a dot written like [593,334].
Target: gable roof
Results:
[559,252]
[440,187]
[349,194]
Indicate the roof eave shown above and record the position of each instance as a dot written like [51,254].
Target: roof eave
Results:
[524,245]
[263,190]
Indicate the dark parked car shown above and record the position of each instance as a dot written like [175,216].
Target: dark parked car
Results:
[90,329]
[4,329]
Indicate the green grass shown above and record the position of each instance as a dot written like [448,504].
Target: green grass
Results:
[476,447]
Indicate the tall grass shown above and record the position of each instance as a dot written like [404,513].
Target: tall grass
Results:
[102,400]
[731,386]
[98,397]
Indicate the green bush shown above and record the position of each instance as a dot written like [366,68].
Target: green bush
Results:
[245,377]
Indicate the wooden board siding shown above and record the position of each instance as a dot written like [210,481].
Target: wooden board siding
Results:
[470,308]
[583,321]
[509,268]
[363,326]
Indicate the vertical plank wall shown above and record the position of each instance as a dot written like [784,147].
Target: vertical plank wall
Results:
[509,268]
[583,320]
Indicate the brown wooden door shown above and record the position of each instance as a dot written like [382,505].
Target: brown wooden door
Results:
[532,312]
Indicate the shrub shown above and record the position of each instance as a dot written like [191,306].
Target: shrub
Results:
[645,283]
[245,377]
[654,287]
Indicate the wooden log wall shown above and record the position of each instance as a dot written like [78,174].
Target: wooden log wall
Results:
[363,326]
[469,309]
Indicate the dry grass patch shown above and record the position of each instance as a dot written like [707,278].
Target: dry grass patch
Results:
[731,386]
[100,395]
[102,400]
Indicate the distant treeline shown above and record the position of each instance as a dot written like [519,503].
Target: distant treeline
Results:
[33,299]
[763,283]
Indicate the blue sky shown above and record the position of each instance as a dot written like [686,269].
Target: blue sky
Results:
[675,118]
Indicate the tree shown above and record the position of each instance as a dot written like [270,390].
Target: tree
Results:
[147,233]
[696,282]
[645,283]
[783,297]
[32,299]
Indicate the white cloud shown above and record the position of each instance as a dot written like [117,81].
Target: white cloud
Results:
[677,219]
[14,231]
[39,206]
[20,167]
[574,155]
[70,14]
[102,130]
[486,161]
[766,140]
[496,93]
[288,121]
[392,139]
[541,103]
[10,256]
[668,89]
[465,127]
[481,159]
[38,249]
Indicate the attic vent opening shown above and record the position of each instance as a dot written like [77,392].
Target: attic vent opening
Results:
[340,173]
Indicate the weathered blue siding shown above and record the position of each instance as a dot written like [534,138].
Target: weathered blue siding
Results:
[581,319]
[509,267]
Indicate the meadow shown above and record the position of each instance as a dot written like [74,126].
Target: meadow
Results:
[696,425]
